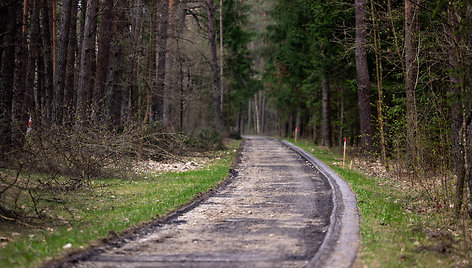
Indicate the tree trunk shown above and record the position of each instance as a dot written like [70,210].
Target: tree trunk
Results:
[7,65]
[326,122]
[48,60]
[221,60]
[31,101]
[257,122]
[71,60]
[457,115]
[161,46]
[215,85]
[341,122]
[86,62]
[54,37]
[410,86]
[363,80]
[379,78]
[249,110]
[298,123]
[263,112]
[315,137]
[134,66]
[19,112]
[61,62]
[115,73]
[103,59]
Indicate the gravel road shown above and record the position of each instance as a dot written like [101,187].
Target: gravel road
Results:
[274,213]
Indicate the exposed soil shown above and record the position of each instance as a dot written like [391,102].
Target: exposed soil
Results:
[274,213]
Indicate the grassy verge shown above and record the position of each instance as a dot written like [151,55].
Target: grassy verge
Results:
[113,205]
[393,233]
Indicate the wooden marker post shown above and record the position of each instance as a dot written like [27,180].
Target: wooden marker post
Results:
[296,133]
[344,155]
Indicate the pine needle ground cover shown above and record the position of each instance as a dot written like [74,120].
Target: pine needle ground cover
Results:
[398,229]
[107,208]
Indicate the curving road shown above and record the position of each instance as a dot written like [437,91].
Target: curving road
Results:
[276,212]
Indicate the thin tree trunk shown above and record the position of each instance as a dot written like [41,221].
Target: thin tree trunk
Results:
[54,38]
[133,83]
[161,46]
[378,72]
[71,63]
[115,73]
[214,68]
[457,115]
[86,62]
[363,80]
[257,122]
[249,110]
[341,123]
[326,122]
[263,112]
[48,60]
[221,59]
[31,101]
[61,63]
[103,59]
[298,123]
[170,81]
[19,112]
[7,66]
[410,69]
[147,111]
[315,137]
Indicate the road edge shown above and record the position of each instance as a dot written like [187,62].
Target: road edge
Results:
[341,243]
[116,240]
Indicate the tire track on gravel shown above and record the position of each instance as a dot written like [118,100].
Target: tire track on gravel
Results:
[274,213]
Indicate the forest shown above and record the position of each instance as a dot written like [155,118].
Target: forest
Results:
[391,76]
[88,87]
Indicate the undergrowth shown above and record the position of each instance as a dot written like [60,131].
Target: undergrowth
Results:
[108,206]
[398,227]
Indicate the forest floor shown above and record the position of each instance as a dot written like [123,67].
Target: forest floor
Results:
[404,221]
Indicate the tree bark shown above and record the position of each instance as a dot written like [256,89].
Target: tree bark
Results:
[379,78]
[7,63]
[132,86]
[249,110]
[48,60]
[298,123]
[103,59]
[31,100]
[19,112]
[116,68]
[86,62]
[161,43]
[61,63]
[410,85]
[215,84]
[221,61]
[363,79]
[71,60]
[326,122]
[458,123]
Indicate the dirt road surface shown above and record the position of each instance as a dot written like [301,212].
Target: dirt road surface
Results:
[275,212]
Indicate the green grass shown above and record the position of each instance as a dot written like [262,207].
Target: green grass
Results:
[114,204]
[392,235]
